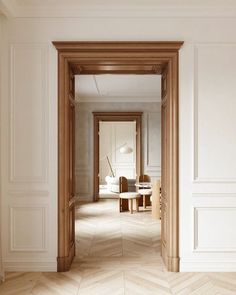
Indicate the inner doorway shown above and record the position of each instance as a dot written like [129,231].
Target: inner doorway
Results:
[117,156]
[116,119]
[118,57]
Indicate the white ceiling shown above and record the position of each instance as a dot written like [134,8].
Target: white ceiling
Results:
[114,8]
[100,88]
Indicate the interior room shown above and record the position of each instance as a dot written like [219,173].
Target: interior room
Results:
[61,67]
[117,140]
[109,229]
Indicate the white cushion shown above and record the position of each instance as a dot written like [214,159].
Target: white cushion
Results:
[112,180]
[145,192]
[129,195]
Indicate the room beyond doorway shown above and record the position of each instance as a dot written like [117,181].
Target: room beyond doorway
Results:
[117,157]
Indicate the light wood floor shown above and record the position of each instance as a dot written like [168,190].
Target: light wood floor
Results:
[117,254]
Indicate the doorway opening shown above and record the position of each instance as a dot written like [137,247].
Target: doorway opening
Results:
[117,157]
[118,58]
[117,150]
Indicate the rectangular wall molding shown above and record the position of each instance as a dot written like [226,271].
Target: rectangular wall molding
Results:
[28,193]
[83,142]
[213,230]
[28,228]
[219,52]
[152,150]
[29,149]
[153,142]
[214,195]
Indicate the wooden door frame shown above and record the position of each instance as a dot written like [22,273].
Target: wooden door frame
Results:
[116,57]
[117,117]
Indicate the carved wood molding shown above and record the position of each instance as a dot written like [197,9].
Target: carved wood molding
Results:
[119,46]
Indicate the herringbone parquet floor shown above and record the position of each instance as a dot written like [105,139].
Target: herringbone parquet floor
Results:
[117,254]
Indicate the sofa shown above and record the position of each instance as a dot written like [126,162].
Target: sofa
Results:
[113,184]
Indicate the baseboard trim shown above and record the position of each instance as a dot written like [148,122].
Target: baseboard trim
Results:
[173,264]
[64,262]
[207,266]
[31,266]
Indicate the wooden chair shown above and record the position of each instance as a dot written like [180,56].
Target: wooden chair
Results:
[145,192]
[126,198]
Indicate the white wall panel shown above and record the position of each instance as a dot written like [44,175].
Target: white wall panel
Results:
[28,138]
[215,120]
[213,229]
[153,143]
[207,158]
[153,139]
[29,182]
[28,228]
[105,149]
[124,133]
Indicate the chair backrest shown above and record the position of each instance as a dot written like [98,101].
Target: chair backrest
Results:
[144,178]
[123,184]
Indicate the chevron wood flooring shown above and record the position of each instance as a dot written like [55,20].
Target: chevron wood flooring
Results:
[117,254]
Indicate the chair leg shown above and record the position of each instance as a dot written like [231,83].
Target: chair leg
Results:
[137,204]
[120,204]
[131,206]
[144,201]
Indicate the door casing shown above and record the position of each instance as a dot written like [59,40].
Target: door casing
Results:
[139,57]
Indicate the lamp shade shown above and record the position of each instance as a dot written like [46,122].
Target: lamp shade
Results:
[126,150]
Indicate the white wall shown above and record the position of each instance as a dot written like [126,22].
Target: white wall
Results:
[29,154]
[207,157]
[84,140]
[207,129]
[112,136]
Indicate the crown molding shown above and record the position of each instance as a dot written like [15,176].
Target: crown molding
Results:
[13,9]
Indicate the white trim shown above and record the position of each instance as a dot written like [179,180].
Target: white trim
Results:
[213,195]
[207,266]
[30,266]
